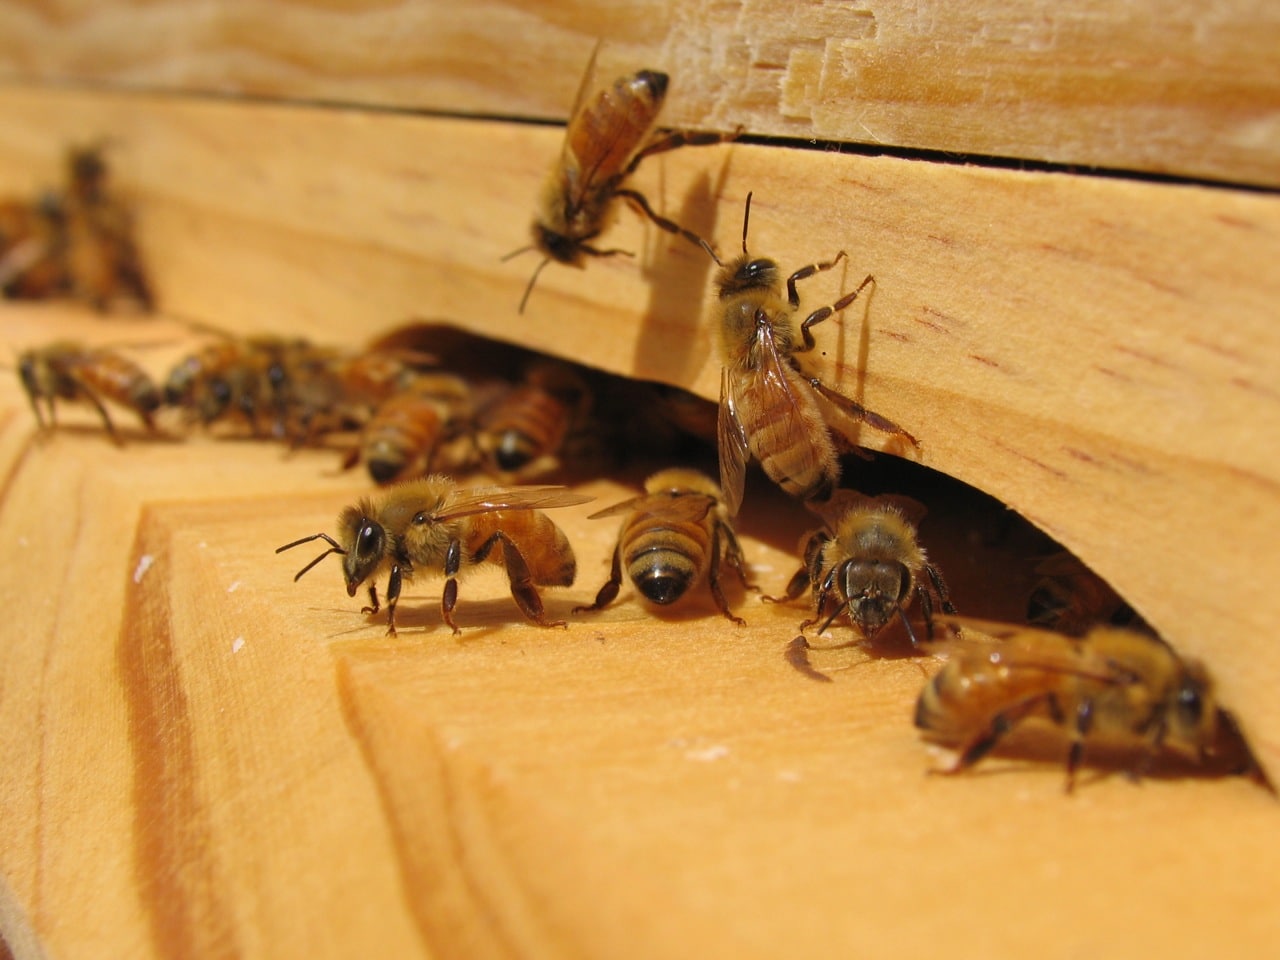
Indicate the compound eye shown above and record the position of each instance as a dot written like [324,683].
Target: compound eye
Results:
[419,519]
[1190,703]
[370,539]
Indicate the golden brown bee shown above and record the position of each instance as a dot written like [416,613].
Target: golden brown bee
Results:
[31,264]
[407,430]
[608,135]
[68,371]
[1070,598]
[867,563]
[433,525]
[675,535]
[769,407]
[102,260]
[1113,686]
[526,427]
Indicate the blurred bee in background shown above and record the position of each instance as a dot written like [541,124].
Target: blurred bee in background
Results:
[31,265]
[523,431]
[770,408]
[408,430]
[431,524]
[1070,598]
[71,372]
[102,259]
[866,563]
[675,535]
[609,133]
[1127,690]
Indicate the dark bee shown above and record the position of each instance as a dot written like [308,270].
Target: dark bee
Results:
[68,371]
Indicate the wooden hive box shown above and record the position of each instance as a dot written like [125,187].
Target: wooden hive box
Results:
[1072,221]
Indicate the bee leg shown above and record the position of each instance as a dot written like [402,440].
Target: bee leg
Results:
[670,226]
[1084,720]
[713,579]
[675,139]
[373,606]
[822,313]
[857,411]
[804,273]
[796,586]
[523,591]
[733,553]
[393,595]
[1000,725]
[824,595]
[610,588]
[943,595]
[452,564]
[92,397]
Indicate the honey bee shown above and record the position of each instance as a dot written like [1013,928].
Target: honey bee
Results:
[1070,598]
[102,259]
[432,524]
[408,429]
[769,407]
[528,425]
[866,562]
[675,535]
[31,266]
[1113,686]
[68,371]
[607,137]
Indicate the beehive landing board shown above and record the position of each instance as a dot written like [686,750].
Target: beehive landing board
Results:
[205,758]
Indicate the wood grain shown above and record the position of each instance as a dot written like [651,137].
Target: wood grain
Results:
[205,758]
[1165,88]
[1098,354]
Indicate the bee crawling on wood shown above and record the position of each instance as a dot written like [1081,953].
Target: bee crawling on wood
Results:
[867,563]
[675,535]
[92,375]
[432,525]
[769,408]
[609,133]
[1114,687]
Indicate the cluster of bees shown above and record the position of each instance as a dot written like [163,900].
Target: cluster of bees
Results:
[414,415]
[76,241]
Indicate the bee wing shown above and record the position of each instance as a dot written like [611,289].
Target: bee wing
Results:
[1017,645]
[673,507]
[464,503]
[731,440]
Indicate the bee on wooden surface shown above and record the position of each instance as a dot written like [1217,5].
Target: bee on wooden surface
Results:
[31,265]
[407,430]
[432,525]
[1116,687]
[1070,598]
[92,375]
[769,407]
[524,430]
[609,133]
[867,563]
[675,535]
[103,263]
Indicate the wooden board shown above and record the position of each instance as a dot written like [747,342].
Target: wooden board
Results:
[1098,354]
[206,758]
[1159,87]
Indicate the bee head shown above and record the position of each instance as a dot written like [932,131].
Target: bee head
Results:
[875,591]
[558,246]
[747,273]
[1193,716]
[368,547]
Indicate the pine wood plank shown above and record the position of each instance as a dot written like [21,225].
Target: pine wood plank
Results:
[1160,87]
[206,758]
[1098,354]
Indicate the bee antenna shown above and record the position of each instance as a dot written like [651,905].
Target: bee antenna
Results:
[710,252]
[515,253]
[746,219]
[532,280]
[907,623]
[334,547]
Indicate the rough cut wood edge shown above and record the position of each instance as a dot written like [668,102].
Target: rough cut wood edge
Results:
[1098,354]
[1166,88]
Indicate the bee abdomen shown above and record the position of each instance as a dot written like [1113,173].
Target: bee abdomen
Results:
[403,430]
[663,562]
[529,424]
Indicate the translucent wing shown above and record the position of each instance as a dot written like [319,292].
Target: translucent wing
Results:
[674,507]
[731,441]
[1018,646]
[464,503]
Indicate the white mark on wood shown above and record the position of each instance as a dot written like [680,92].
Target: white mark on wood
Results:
[708,754]
[234,587]
[236,644]
[144,564]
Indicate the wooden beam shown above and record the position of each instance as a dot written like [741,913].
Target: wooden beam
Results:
[1158,87]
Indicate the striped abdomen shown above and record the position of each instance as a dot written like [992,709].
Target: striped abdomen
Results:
[787,433]
[663,558]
